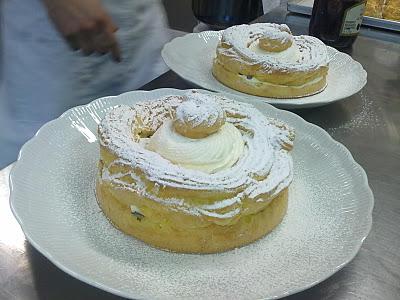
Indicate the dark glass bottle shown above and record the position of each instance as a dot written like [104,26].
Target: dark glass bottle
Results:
[226,13]
[337,22]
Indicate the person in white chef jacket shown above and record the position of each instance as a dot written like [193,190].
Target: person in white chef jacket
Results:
[117,48]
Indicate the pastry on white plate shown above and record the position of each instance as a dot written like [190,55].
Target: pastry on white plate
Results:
[265,59]
[197,173]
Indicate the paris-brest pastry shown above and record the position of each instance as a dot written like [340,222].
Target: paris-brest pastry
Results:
[267,60]
[197,173]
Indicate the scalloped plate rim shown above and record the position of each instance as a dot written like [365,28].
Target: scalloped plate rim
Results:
[292,103]
[87,279]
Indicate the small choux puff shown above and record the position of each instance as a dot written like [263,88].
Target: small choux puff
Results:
[198,116]
[276,39]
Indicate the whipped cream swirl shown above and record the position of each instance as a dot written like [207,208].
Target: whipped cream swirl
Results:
[216,152]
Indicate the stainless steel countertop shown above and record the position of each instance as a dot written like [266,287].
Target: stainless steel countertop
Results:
[368,124]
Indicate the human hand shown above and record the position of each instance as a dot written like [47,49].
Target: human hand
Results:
[85,25]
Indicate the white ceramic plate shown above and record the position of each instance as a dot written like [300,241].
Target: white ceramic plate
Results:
[52,196]
[191,57]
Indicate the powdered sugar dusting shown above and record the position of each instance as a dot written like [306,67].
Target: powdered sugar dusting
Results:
[199,109]
[366,115]
[279,34]
[312,53]
[263,170]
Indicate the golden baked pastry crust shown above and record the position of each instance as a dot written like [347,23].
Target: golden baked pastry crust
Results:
[241,65]
[265,88]
[156,230]
[174,208]
[391,10]
[383,9]
[187,123]
[374,8]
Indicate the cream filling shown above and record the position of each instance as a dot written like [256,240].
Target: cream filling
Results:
[216,152]
[256,82]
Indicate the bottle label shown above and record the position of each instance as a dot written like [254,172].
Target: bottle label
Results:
[352,19]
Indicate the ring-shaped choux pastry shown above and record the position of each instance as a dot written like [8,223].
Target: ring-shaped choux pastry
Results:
[267,60]
[202,195]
